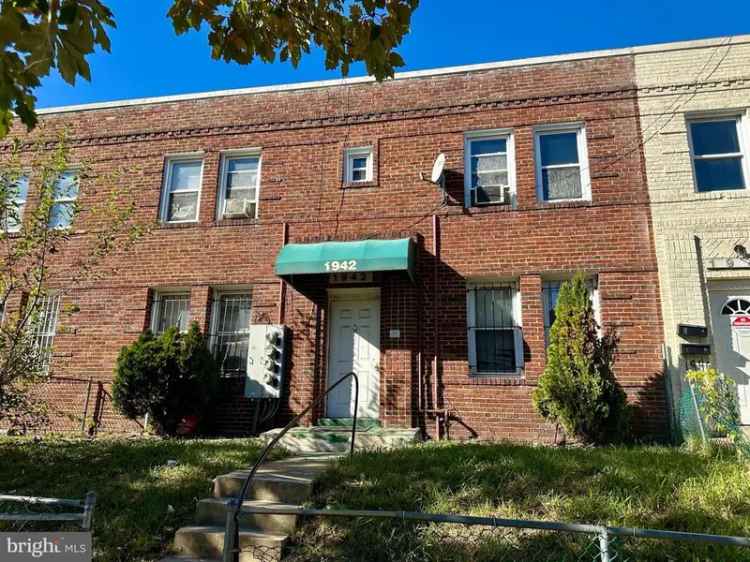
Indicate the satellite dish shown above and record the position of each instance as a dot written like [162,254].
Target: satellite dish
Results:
[437,168]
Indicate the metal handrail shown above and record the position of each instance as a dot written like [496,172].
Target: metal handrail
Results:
[231,534]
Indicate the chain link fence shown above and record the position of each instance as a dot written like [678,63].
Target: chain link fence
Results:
[382,536]
[35,514]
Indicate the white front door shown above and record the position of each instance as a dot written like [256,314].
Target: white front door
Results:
[730,310]
[354,345]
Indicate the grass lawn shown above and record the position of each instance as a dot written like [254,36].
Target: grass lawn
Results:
[134,487]
[657,487]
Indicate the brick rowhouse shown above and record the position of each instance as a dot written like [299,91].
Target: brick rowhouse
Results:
[301,134]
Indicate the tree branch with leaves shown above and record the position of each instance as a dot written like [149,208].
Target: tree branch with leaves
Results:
[38,36]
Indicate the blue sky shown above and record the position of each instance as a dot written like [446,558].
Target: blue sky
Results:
[148,59]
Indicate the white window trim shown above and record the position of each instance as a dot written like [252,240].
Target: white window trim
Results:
[517,328]
[583,159]
[350,155]
[741,122]
[169,163]
[215,310]
[596,303]
[62,200]
[22,209]
[510,149]
[158,295]
[226,156]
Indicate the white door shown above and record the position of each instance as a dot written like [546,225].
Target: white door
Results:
[354,345]
[729,311]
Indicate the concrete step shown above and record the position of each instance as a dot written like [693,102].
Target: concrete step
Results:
[213,511]
[207,542]
[336,440]
[288,481]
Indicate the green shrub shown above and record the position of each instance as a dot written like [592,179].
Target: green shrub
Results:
[578,389]
[167,377]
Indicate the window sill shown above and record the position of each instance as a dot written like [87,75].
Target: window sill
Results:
[236,221]
[513,378]
[359,184]
[168,225]
[566,204]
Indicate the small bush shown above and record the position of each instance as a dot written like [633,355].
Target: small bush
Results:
[167,377]
[578,388]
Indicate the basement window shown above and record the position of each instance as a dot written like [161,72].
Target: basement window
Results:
[182,189]
[494,331]
[716,148]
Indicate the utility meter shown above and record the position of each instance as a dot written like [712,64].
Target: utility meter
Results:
[265,360]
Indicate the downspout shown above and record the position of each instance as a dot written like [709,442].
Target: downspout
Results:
[436,324]
[282,283]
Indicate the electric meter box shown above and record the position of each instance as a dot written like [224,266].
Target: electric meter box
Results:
[266,360]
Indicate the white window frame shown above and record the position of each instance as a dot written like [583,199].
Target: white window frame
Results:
[226,157]
[170,161]
[46,333]
[21,207]
[583,159]
[158,296]
[215,312]
[65,200]
[510,150]
[741,122]
[593,285]
[517,327]
[350,155]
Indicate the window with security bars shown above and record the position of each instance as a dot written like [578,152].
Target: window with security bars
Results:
[170,310]
[230,331]
[489,162]
[495,338]
[562,169]
[46,325]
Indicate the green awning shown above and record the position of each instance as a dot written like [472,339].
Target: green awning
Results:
[333,257]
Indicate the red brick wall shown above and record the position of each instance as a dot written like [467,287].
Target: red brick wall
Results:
[302,135]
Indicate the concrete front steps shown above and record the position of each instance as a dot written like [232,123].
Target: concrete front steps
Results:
[334,436]
[262,535]
[284,483]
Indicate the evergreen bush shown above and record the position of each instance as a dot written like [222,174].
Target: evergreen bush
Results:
[578,388]
[168,377]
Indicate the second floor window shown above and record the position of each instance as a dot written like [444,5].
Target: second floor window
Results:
[239,187]
[64,196]
[169,310]
[17,194]
[358,165]
[717,152]
[489,174]
[561,162]
[182,190]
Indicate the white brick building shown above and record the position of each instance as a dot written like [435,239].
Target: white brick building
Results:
[694,99]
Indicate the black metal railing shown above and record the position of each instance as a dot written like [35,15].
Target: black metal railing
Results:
[231,533]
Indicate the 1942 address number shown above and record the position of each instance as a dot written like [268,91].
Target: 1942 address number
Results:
[343,265]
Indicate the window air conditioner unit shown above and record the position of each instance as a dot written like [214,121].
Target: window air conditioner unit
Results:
[239,208]
[491,195]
